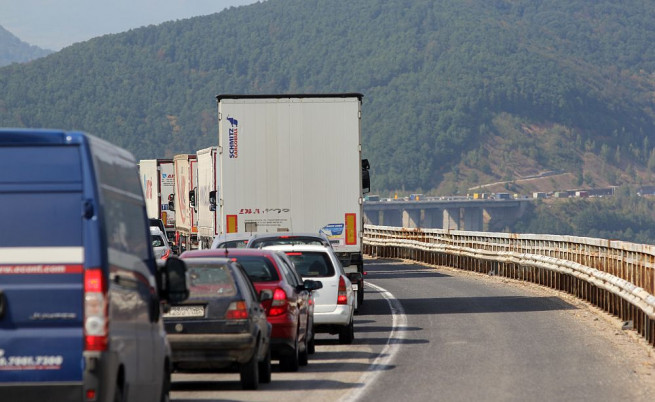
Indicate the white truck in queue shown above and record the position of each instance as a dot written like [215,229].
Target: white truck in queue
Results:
[158,181]
[208,226]
[292,163]
[183,202]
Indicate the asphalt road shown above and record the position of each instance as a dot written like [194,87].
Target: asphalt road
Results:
[425,334]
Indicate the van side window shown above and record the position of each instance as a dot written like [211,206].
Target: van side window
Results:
[124,212]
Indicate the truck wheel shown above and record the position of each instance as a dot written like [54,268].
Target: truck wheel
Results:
[249,372]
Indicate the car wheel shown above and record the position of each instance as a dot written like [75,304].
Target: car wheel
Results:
[249,372]
[360,294]
[303,357]
[347,333]
[311,346]
[290,361]
[265,368]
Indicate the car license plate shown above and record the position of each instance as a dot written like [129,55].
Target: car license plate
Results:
[355,287]
[186,311]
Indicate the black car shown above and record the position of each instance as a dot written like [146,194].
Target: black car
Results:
[222,324]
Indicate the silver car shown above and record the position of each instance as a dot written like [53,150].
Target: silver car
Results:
[160,246]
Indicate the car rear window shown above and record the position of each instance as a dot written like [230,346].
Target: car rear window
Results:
[259,269]
[210,280]
[311,264]
[233,244]
[287,240]
[157,241]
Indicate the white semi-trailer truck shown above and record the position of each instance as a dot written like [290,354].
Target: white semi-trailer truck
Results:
[183,202]
[158,180]
[293,163]
[208,226]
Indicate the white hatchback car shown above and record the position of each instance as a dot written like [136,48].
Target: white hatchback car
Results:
[334,304]
[160,246]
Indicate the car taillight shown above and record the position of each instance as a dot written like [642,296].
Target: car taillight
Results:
[279,303]
[95,310]
[238,310]
[166,254]
[342,296]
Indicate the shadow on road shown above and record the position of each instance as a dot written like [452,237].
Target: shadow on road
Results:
[472,305]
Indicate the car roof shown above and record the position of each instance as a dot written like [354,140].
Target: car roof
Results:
[156,230]
[225,237]
[289,234]
[193,259]
[298,247]
[226,252]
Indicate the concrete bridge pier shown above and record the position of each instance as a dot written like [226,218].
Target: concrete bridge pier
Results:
[411,218]
[451,219]
[473,219]
[391,217]
[432,218]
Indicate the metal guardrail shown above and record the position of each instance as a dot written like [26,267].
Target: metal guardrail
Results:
[618,277]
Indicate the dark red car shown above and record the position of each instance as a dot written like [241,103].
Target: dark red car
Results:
[290,310]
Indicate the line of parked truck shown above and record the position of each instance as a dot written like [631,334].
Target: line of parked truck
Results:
[83,297]
[283,163]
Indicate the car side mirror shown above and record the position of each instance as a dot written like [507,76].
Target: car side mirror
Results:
[354,276]
[171,202]
[310,285]
[212,200]
[173,284]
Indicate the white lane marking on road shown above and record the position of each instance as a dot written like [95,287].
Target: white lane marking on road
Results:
[386,356]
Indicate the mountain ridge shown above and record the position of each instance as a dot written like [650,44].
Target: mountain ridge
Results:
[15,50]
[456,94]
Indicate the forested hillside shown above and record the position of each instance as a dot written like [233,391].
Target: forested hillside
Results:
[458,93]
[13,50]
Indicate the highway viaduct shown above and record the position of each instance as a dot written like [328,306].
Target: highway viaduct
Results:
[449,214]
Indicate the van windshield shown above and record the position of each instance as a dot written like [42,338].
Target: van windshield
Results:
[49,193]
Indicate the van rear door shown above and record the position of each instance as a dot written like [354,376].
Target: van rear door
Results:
[41,262]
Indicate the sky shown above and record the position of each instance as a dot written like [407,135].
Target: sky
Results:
[55,24]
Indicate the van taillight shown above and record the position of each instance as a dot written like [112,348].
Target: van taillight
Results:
[342,296]
[95,310]
[166,254]
[238,310]
[279,303]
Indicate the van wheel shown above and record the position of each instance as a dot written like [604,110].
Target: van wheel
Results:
[265,368]
[249,372]
[347,333]
[166,386]
[118,393]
